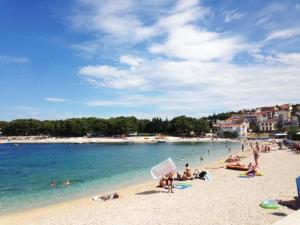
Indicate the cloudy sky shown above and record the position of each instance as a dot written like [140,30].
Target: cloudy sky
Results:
[61,59]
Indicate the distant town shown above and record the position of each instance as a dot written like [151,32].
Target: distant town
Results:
[262,122]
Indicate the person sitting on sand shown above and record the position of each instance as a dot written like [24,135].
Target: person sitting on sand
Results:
[110,196]
[170,180]
[187,175]
[162,182]
[252,170]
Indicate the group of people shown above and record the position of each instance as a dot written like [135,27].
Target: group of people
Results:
[167,180]
[232,159]
[64,184]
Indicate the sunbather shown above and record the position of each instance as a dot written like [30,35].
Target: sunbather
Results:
[109,196]
[162,182]
[232,159]
[252,170]
[187,174]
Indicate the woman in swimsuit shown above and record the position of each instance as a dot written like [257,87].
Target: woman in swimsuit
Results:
[256,156]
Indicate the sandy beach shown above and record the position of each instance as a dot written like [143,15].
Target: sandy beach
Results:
[227,199]
[106,140]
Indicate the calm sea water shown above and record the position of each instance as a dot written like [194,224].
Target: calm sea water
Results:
[27,169]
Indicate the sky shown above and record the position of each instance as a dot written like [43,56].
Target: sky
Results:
[146,58]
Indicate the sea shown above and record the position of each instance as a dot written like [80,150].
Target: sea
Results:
[26,170]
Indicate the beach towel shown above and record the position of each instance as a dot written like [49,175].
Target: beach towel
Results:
[163,168]
[298,188]
[182,186]
[207,176]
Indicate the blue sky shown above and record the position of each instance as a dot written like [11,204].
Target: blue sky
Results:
[62,59]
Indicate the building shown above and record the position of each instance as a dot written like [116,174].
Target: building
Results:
[269,125]
[240,128]
[286,107]
[250,116]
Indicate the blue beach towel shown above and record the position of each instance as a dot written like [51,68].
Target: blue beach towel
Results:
[182,186]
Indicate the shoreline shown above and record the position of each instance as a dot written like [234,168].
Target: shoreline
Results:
[119,188]
[109,140]
[124,188]
[133,196]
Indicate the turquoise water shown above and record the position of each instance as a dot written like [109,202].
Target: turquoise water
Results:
[27,169]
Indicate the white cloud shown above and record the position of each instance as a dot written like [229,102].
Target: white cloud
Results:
[50,99]
[130,60]
[4,59]
[283,34]
[190,68]
[188,42]
[292,59]
[181,87]
[233,15]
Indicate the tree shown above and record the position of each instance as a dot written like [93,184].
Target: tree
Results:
[292,133]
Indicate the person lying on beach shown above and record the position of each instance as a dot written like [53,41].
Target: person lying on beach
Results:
[106,197]
[109,196]
[232,159]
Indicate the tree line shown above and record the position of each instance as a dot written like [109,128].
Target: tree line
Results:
[118,126]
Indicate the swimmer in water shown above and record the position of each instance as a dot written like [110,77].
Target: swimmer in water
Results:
[66,183]
[201,158]
[52,184]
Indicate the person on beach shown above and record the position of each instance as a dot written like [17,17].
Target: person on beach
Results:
[256,156]
[242,147]
[162,182]
[232,159]
[170,180]
[252,170]
[110,196]
[187,174]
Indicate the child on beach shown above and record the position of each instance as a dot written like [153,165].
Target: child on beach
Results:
[170,182]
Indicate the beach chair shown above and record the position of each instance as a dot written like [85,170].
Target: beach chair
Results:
[163,168]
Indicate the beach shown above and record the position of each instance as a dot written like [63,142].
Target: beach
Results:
[227,199]
[107,140]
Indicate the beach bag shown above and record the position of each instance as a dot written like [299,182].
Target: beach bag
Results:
[163,168]
[202,175]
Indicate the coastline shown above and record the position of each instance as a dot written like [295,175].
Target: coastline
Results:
[108,140]
[133,198]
